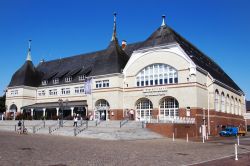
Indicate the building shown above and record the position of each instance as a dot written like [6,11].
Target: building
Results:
[164,78]
[247,115]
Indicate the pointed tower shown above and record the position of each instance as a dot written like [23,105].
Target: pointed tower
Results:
[27,75]
[114,58]
[29,52]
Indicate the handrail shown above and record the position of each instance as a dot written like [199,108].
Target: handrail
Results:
[81,127]
[38,126]
[123,122]
[51,129]
[97,122]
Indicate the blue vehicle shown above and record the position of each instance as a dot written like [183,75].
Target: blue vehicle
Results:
[232,131]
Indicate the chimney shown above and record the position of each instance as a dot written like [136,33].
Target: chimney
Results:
[124,44]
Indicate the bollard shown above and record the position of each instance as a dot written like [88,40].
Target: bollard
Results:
[238,140]
[34,129]
[87,125]
[187,137]
[43,123]
[15,127]
[173,136]
[236,152]
[49,129]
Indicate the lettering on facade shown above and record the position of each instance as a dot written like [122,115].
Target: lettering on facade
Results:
[155,92]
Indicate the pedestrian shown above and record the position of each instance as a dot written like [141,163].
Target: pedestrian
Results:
[19,124]
[75,121]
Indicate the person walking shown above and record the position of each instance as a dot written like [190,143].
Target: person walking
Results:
[75,121]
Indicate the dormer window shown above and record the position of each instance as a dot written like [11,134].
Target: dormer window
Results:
[68,79]
[81,77]
[45,82]
[56,81]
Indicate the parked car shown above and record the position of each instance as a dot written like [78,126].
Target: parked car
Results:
[232,131]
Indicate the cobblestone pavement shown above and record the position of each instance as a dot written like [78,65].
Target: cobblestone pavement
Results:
[46,150]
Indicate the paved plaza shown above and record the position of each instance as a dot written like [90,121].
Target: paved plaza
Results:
[50,150]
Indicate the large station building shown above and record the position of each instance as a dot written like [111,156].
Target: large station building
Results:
[159,80]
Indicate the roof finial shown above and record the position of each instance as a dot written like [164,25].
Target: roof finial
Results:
[29,52]
[163,20]
[114,28]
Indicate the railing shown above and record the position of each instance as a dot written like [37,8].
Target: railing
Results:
[123,122]
[176,119]
[82,127]
[54,127]
[39,126]
[97,122]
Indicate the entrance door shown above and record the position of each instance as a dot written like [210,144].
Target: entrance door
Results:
[102,114]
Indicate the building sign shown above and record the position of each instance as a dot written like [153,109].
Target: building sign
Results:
[155,91]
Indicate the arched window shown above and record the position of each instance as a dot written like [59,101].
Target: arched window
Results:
[222,102]
[102,109]
[169,107]
[13,108]
[232,105]
[236,107]
[143,109]
[157,74]
[239,107]
[216,101]
[228,104]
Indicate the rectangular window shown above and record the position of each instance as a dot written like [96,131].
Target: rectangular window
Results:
[98,84]
[44,82]
[53,92]
[65,91]
[56,81]
[77,90]
[68,79]
[105,83]
[14,92]
[81,77]
[41,93]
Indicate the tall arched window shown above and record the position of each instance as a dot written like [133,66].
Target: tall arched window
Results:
[232,105]
[239,107]
[216,100]
[222,102]
[157,74]
[169,107]
[143,109]
[228,104]
[236,107]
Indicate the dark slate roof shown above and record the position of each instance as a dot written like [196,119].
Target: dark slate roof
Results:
[111,60]
[27,75]
[165,35]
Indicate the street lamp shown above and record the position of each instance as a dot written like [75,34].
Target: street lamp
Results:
[61,106]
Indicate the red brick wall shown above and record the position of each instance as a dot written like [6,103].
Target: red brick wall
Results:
[167,129]
[117,114]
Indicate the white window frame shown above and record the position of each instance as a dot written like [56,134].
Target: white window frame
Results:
[56,81]
[45,82]
[157,74]
[53,92]
[41,93]
[81,77]
[65,91]
[14,92]
[68,79]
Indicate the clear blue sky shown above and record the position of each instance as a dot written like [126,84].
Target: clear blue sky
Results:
[60,28]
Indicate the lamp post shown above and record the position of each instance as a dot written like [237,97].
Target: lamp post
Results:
[61,106]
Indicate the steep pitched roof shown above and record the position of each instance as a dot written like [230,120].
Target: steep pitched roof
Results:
[248,105]
[111,60]
[165,35]
[27,75]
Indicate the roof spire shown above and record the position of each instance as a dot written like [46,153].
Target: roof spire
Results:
[29,52]
[114,28]
[163,20]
